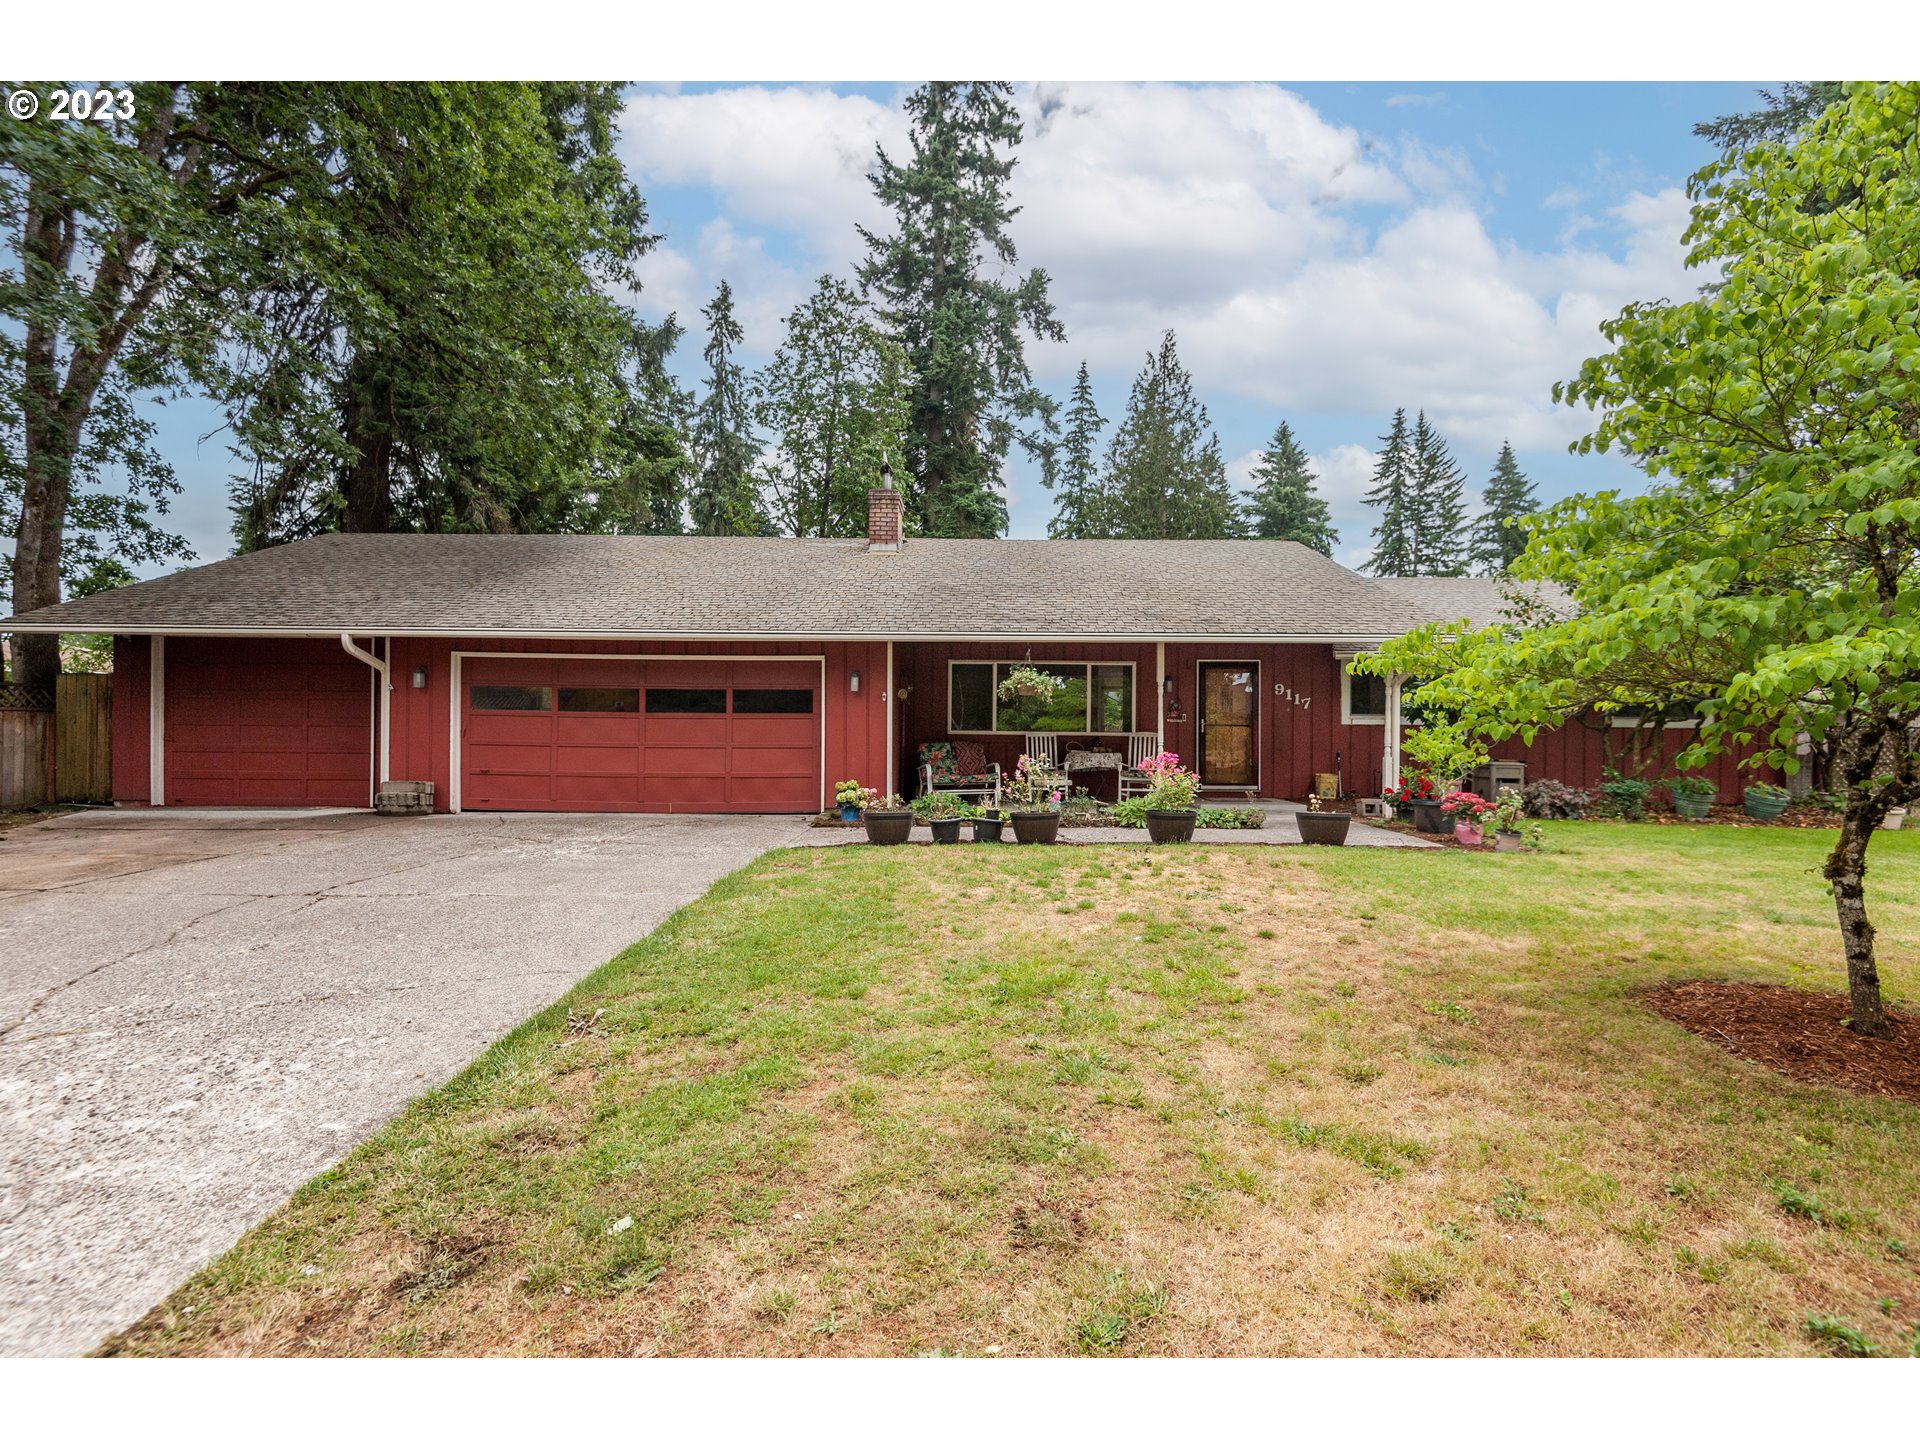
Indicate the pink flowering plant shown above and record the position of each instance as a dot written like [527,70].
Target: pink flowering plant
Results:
[1033,787]
[1173,786]
[1463,807]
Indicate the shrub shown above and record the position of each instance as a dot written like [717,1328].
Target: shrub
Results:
[1551,800]
[1695,785]
[1761,790]
[1624,799]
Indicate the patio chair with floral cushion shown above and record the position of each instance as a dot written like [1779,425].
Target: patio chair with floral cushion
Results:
[959,767]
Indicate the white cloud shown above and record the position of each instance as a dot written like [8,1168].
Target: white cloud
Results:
[1305,266]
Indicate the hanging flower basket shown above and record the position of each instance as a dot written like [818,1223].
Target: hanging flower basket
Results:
[1024,680]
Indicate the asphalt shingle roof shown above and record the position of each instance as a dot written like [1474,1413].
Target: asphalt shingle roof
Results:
[1480,602]
[604,585]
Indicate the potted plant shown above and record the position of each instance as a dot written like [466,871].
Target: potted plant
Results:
[1033,800]
[941,812]
[1468,812]
[1508,807]
[1322,827]
[1171,791]
[986,824]
[852,797]
[1765,802]
[1692,794]
[1025,680]
[888,820]
[1420,798]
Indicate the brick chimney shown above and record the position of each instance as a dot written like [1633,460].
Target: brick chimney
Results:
[886,514]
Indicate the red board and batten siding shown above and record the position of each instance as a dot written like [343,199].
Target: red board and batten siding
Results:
[132,720]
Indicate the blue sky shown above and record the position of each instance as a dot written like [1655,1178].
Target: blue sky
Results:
[1324,251]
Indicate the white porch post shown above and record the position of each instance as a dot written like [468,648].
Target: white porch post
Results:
[157,720]
[1390,745]
[1160,696]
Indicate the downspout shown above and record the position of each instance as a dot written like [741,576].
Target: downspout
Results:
[386,698]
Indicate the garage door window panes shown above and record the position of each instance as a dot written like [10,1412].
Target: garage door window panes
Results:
[773,702]
[512,697]
[600,700]
[686,702]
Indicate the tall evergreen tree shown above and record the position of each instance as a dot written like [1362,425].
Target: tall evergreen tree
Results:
[834,404]
[1440,539]
[937,278]
[1394,538]
[642,489]
[1284,504]
[725,500]
[1165,477]
[1080,500]
[1787,111]
[1499,534]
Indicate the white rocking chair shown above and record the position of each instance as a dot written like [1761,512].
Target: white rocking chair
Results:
[1045,750]
[1140,745]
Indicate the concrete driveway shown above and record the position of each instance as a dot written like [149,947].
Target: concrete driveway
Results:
[199,1010]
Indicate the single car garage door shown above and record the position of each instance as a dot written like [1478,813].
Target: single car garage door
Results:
[660,735]
[267,722]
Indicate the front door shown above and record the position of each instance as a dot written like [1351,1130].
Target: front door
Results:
[1229,725]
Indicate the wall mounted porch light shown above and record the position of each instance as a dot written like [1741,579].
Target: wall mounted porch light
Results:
[853,682]
[420,677]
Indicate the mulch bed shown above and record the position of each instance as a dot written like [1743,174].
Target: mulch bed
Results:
[1796,1032]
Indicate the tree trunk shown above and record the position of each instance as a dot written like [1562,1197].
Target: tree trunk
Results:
[1860,756]
[1846,868]
[367,424]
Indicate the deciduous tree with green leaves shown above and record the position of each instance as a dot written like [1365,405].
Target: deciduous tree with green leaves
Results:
[834,404]
[1165,477]
[1499,534]
[1284,504]
[1771,573]
[949,290]
[132,239]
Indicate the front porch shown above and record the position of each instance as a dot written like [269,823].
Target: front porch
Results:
[1254,720]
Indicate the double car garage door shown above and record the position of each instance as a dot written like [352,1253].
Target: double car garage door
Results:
[686,735]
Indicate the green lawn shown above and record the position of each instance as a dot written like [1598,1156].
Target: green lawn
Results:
[1205,1100]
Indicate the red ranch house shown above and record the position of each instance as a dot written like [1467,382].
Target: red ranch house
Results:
[670,673]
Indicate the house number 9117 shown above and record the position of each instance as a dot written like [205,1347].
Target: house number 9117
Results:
[1305,702]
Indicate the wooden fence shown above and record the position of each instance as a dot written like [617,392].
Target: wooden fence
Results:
[83,739]
[57,746]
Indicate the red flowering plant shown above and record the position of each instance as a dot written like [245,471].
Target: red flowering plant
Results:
[1410,789]
[1465,807]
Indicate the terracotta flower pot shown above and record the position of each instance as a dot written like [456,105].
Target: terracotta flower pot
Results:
[1466,834]
[986,832]
[1036,827]
[1171,827]
[945,832]
[888,827]
[1323,827]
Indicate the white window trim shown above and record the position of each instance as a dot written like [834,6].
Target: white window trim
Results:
[1133,693]
[1628,722]
[1347,715]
